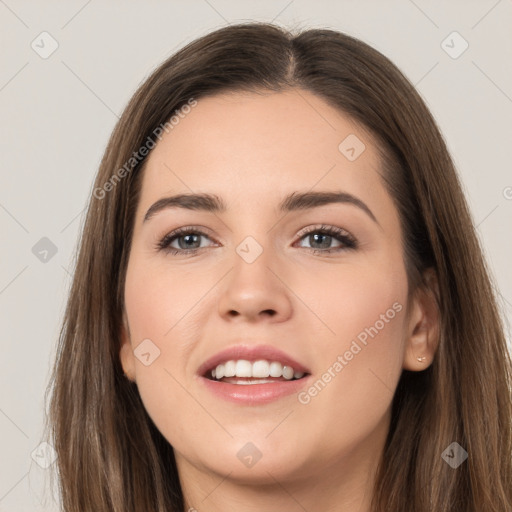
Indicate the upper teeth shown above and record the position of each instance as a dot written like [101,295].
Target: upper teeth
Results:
[259,369]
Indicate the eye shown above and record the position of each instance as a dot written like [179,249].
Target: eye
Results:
[187,239]
[320,238]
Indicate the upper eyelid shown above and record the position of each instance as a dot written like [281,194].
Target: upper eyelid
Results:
[322,227]
[206,231]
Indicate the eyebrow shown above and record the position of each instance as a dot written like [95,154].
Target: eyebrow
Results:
[295,201]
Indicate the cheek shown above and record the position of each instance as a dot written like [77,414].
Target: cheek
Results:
[161,299]
[362,361]
[354,300]
[162,310]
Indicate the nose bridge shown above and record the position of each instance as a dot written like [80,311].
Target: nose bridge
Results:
[251,250]
[252,232]
[254,256]
[252,286]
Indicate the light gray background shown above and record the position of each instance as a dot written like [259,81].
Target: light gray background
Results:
[57,114]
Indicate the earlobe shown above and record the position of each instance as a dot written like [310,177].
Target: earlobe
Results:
[126,355]
[423,330]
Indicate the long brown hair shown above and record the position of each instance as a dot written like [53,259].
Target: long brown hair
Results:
[111,457]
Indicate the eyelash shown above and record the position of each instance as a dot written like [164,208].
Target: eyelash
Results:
[341,235]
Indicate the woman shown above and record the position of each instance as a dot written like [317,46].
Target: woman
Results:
[279,301]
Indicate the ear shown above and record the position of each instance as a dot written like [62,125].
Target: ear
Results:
[423,328]
[126,355]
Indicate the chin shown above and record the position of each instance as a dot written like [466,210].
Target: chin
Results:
[252,459]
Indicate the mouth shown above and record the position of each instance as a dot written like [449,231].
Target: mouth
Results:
[244,372]
[251,375]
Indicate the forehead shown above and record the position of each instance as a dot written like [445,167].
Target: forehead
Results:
[260,145]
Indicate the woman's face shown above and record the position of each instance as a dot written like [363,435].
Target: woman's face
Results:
[255,281]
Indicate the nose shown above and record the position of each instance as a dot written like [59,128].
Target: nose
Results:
[256,291]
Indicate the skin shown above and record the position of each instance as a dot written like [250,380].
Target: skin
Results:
[252,150]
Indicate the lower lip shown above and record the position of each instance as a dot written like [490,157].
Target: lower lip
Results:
[254,393]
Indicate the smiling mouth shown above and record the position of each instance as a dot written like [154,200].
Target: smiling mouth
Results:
[244,372]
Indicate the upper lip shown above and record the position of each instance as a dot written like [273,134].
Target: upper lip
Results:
[251,353]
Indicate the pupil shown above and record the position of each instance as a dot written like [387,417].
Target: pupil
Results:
[188,238]
[325,236]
